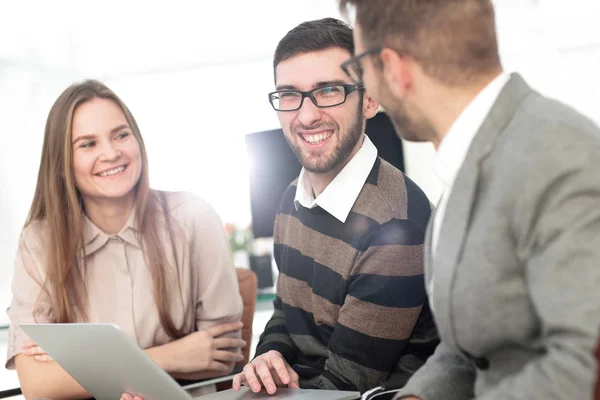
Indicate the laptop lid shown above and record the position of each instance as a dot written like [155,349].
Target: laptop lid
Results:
[105,361]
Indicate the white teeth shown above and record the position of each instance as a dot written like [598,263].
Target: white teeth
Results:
[316,139]
[113,171]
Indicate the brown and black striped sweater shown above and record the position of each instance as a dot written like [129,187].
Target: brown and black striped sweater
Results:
[351,309]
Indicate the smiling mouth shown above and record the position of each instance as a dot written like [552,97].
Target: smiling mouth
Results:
[112,172]
[316,138]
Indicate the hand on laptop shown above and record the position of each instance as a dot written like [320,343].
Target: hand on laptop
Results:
[269,370]
[30,348]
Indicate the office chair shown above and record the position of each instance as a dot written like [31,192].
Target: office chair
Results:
[248,284]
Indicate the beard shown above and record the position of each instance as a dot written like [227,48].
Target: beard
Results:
[408,125]
[324,163]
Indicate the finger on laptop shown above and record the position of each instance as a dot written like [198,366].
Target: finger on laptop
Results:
[280,366]
[250,375]
[294,382]
[241,380]
[264,372]
[236,382]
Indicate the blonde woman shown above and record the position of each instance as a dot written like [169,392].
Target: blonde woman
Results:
[100,246]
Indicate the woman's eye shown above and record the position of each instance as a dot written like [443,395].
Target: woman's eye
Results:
[87,145]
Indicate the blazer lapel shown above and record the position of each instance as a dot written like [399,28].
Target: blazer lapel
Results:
[462,198]
[451,239]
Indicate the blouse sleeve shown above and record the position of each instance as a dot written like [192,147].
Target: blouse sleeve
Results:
[30,304]
[218,299]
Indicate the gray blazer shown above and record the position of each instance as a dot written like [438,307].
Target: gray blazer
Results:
[517,268]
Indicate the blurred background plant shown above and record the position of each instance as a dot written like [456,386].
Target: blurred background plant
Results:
[240,239]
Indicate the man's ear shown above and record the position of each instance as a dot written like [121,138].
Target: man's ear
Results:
[396,72]
[370,106]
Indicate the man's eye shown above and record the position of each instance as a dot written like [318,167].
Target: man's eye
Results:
[330,90]
[288,95]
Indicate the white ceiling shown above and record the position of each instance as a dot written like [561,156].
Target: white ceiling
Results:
[126,38]
[131,37]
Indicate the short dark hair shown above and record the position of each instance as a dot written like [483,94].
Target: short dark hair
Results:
[317,35]
[454,41]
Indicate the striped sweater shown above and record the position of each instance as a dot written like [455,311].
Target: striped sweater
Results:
[351,309]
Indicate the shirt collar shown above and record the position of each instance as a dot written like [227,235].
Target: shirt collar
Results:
[341,194]
[455,145]
[94,238]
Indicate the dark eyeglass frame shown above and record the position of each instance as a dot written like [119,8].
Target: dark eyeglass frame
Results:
[354,63]
[348,89]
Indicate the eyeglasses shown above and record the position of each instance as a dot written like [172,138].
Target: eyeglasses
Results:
[352,66]
[322,97]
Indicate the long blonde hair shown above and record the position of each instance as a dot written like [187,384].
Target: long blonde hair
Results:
[58,203]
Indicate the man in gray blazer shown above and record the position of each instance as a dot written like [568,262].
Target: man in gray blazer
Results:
[513,251]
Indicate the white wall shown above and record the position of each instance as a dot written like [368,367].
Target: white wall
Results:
[194,122]
[555,45]
[26,94]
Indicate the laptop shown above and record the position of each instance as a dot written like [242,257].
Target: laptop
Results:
[107,363]
[282,394]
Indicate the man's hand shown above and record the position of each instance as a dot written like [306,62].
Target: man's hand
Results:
[269,370]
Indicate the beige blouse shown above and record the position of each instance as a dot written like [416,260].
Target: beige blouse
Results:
[119,284]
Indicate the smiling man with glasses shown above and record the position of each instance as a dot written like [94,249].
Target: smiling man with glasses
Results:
[351,307]
[322,97]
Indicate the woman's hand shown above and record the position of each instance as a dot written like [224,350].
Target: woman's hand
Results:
[205,350]
[127,396]
[30,348]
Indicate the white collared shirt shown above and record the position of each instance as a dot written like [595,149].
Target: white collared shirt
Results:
[341,194]
[455,145]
